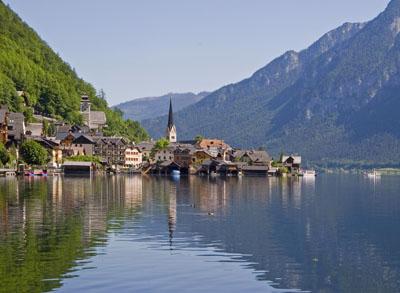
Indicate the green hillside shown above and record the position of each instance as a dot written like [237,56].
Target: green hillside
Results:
[52,87]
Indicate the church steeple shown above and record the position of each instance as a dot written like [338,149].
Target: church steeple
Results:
[170,115]
[171,129]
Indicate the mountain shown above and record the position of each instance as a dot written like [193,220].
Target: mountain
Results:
[335,102]
[50,86]
[151,107]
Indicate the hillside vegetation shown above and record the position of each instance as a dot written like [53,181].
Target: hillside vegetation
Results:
[50,85]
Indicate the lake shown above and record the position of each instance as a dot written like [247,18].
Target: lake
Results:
[335,233]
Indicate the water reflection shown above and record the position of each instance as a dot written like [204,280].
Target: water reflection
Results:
[330,234]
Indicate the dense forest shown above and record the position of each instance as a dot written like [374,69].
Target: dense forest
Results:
[49,85]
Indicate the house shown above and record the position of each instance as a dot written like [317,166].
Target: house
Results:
[133,157]
[166,167]
[291,162]
[145,148]
[228,168]
[251,157]
[209,167]
[199,156]
[165,154]
[16,127]
[183,157]
[65,129]
[78,167]
[82,145]
[111,150]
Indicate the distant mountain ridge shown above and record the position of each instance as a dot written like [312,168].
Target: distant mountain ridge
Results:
[336,101]
[152,107]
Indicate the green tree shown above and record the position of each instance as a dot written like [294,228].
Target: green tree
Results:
[199,138]
[160,145]
[4,155]
[33,153]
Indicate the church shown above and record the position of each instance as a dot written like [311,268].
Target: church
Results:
[170,133]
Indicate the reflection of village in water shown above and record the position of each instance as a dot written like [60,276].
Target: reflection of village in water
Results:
[283,229]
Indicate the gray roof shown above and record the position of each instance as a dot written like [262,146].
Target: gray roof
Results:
[167,163]
[47,143]
[72,163]
[296,159]
[35,129]
[146,146]
[98,117]
[255,156]
[83,139]
[113,140]
[62,131]
[255,168]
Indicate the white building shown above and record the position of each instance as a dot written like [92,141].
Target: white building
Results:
[133,157]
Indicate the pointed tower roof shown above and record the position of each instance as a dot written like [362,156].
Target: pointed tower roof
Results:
[170,115]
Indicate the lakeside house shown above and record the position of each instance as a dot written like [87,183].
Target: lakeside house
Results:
[133,157]
[292,163]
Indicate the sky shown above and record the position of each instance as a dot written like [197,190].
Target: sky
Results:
[141,48]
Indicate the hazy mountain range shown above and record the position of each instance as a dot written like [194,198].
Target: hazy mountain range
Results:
[336,101]
[151,107]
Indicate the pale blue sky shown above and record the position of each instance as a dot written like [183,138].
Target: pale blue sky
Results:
[136,48]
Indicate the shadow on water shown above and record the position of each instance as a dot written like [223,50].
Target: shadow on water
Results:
[330,234]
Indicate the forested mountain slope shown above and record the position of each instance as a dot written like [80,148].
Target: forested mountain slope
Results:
[52,87]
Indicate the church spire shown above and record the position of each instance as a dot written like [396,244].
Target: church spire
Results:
[170,115]
[171,129]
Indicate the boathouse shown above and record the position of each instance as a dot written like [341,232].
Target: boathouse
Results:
[78,167]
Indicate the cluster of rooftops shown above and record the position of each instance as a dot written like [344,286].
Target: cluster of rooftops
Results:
[199,156]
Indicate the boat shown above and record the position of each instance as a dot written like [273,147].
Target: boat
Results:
[176,173]
[35,172]
[308,173]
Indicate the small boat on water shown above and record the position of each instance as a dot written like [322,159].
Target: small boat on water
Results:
[35,172]
[308,173]
[176,173]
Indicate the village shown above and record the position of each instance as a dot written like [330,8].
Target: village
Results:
[80,149]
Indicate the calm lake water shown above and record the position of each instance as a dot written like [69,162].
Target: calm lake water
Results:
[335,233]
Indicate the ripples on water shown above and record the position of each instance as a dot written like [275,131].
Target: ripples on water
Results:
[134,234]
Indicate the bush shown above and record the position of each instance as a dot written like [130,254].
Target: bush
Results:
[4,155]
[33,153]
[82,158]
